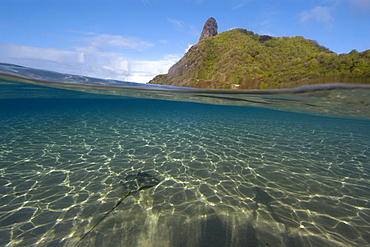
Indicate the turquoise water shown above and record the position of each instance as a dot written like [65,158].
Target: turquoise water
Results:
[229,175]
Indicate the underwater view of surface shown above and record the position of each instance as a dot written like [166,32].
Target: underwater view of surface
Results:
[230,168]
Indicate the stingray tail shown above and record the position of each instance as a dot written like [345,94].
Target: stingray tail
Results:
[118,203]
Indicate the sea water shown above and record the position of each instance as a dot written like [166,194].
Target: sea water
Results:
[231,173]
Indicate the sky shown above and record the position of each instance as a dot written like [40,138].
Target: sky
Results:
[135,40]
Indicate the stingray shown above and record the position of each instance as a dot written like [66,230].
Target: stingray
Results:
[133,183]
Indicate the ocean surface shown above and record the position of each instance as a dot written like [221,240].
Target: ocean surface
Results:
[236,168]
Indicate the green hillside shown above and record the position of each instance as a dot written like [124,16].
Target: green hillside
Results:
[242,59]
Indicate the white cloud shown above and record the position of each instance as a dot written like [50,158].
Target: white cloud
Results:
[194,31]
[240,3]
[319,14]
[146,70]
[182,26]
[89,61]
[262,32]
[179,25]
[102,41]
[187,49]
[48,54]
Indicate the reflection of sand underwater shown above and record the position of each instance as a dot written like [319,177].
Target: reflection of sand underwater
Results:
[205,227]
[230,176]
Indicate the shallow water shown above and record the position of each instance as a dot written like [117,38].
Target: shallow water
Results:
[230,175]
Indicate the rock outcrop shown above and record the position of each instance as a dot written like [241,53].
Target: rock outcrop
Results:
[241,59]
[209,29]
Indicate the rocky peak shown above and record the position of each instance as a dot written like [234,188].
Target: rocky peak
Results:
[209,29]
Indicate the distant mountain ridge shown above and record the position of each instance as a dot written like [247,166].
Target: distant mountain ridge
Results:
[242,59]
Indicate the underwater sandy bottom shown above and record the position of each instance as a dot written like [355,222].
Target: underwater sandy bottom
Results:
[230,176]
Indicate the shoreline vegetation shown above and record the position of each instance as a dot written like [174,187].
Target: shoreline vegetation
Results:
[241,59]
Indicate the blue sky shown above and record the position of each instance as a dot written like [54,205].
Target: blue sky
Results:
[135,40]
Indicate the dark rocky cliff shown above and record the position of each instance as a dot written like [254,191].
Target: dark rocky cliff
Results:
[209,29]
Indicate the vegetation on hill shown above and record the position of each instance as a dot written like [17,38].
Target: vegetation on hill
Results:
[242,59]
